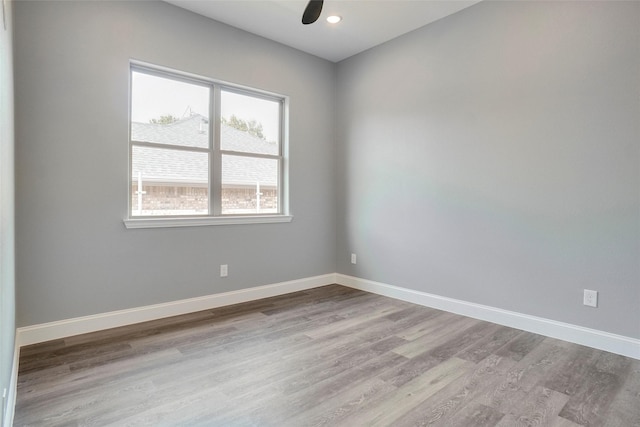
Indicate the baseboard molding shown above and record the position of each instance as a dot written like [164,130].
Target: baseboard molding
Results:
[601,340]
[81,325]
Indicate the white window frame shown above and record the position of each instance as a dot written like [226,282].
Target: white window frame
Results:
[215,217]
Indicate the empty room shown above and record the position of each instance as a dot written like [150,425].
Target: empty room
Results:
[306,213]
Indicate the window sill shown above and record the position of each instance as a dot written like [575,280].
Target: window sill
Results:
[204,221]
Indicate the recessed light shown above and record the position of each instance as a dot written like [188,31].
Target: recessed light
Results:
[334,19]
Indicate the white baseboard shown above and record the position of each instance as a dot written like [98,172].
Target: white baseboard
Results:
[81,325]
[613,343]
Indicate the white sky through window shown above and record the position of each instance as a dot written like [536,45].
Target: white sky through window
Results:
[249,108]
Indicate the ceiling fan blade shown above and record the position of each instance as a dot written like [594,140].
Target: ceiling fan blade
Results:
[312,12]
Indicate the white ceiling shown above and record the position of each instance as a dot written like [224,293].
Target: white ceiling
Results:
[366,23]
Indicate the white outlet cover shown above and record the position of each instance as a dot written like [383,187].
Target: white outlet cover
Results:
[590,298]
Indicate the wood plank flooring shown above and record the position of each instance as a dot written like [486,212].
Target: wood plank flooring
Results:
[330,356]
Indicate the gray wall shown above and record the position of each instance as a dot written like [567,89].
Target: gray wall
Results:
[494,157]
[7,234]
[74,256]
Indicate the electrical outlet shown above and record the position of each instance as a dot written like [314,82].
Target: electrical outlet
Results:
[590,298]
[224,270]
[353,258]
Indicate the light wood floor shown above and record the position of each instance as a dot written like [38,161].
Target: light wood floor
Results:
[328,356]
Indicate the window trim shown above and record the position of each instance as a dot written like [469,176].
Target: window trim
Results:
[168,222]
[215,216]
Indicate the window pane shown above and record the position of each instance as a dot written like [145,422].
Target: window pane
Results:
[249,124]
[249,185]
[169,182]
[168,111]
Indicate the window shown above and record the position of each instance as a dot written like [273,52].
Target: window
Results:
[202,152]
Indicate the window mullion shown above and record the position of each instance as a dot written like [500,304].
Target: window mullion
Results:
[251,154]
[283,156]
[169,146]
[215,156]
